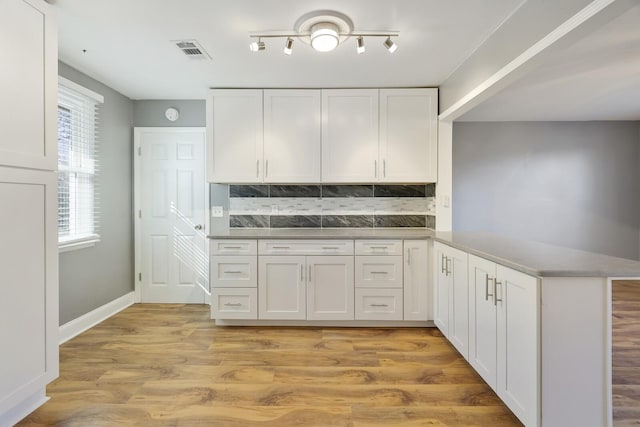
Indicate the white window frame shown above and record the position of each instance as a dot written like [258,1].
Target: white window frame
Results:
[78,242]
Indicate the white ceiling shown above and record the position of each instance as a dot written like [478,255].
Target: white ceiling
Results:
[128,46]
[597,78]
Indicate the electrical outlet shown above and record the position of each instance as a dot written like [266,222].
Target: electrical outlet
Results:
[217,211]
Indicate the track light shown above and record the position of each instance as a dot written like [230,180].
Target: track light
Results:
[288,46]
[257,46]
[360,44]
[390,45]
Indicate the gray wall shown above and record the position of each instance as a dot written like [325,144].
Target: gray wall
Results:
[151,113]
[573,184]
[92,277]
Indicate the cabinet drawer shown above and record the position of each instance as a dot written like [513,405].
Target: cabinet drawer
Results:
[378,304]
[234,247]
[305,247]
[234,303]
[378,271]
[233,271]
[378,247]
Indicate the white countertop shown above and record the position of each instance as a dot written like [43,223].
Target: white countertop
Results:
[537,259]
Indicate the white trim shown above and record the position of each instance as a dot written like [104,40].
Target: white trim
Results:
[329,323]
[80,243]
[92,318]
[80,89]
[17,413]
[506,74]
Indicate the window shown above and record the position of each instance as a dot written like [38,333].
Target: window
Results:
[77,165]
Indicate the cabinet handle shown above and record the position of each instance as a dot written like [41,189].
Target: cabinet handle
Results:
[266,168]
[301,273]
[232,247]
[257,168]
[281,247]
[408,256]
[331,247]
[495,291]
[486,287]
[309,273]
[448,260]
[375,168]
[378,305]
[379,272]
[379,247]
[232,272]
[443,264]
[384,168]
[228,304]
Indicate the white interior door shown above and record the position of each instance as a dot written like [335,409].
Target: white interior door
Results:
[170,183]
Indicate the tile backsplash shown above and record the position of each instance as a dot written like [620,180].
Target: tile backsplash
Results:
[331,206]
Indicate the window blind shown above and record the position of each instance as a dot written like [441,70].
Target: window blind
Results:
[78,166]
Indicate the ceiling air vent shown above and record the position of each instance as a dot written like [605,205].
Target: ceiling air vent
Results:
[192,49]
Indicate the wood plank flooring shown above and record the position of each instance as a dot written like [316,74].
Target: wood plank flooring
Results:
[169,365]
[626,353]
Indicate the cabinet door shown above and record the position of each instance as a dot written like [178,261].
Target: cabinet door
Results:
[408,135]
[482,319]
[292,136]
[416,280]
[517,296]
[28,85]
[234,136]
[330,289]
[458,300]
[29,286]
[350,135]
[442,283]
[281,287]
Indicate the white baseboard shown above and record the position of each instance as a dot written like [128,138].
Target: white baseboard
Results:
[92,318]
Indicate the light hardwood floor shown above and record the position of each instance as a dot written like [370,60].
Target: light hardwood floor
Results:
[626,353]
[169,365]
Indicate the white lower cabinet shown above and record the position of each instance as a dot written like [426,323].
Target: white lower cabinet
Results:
[452,296]
[416,280]
[234,303]
[378,304]
[330,288]
[281,288]
[504,335]
[233,271]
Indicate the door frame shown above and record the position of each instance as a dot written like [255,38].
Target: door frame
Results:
[137,203]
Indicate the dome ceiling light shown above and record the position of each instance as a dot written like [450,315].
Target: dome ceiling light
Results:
[324,31]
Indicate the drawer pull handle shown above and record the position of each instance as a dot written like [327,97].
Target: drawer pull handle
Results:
[379,247]
[228,304]
[233,272]
[232,247]
[379,272]
[330,247]
[379,305]
[281,247]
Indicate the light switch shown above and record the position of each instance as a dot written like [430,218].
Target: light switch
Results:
[217,211]
[446,201]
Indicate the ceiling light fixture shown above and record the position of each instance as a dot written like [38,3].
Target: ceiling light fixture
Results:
[288,46]
[324,31]
[257,46]
[360,45]
[390,45]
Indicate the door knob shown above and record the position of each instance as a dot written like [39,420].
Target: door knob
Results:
[198,227]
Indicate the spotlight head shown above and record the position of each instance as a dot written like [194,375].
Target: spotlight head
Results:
[257,46]
[390,45]
[360,44]
[288,46]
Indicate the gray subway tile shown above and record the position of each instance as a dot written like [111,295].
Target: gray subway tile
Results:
[430,190]
[399,190]
[249,221]
[294,190]
[295,221]
[248,191]
[355,221]
[347,191]
[431,222]
[400,221]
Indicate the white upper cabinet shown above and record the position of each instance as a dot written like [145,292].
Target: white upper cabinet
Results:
[292,136]
[408,135]
[350,135]
[28,85]
[234,136]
